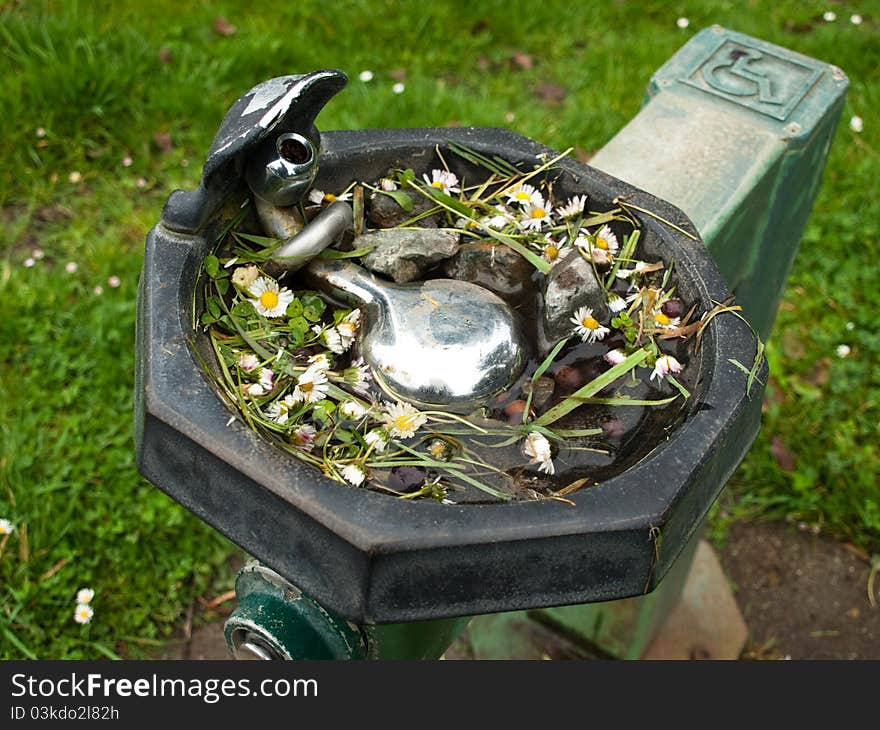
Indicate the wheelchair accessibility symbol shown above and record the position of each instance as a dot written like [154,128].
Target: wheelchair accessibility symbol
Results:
[747,81]
[762,80]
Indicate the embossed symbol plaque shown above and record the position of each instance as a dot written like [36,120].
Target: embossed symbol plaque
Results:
[766,82]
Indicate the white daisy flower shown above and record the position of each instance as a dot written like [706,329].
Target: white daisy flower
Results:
[353,410]
[573,208]
[855,19]
[6,527]
[616,303]
[304,437]
[348,326]
[665,364]
[856,124]
[311,386]
[279,411]
[255,390]
[354,474]
[358,376]
[665,322]
[321,361]
[267,379]
[319,197]
[244,276]
[83,613]
[682,23]
[248,361]
[606,240]
[498,222]
[614,357]
[366,76]
[38,253]
[587,326]
[268,298]
[378,440]
[446,182]
[387,184]
[330,338]
[523,194]
[537,447]
[402,419]
[398,88]
[29,262]
[85,595]
[70,267]
[535,215]
[829,16]
[842,351]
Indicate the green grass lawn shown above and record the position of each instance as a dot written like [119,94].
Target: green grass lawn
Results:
[110,106]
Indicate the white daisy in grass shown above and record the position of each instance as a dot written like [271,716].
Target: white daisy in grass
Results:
[614,357]
[280,410]
[269,299]
[319,197]
[303,437]
[446,182]
[377,440]
[311,386]
[573,208]
[352,410]
[358,376]
[664,321]
[523,194]
[535,215]
[254,390]
[330,338]
[6,527]
[83,613]
[537,447]
[616,303]
[247,361]
[402,419]
[587,326]
[348,327]
[85,595]
[388,185]
[354,474]
[321,361]
[665,364]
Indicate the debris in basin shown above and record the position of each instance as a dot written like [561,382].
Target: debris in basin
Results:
[571,285]
[495,267]
[611,329]
[406,254]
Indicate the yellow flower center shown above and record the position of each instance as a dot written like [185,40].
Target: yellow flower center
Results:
[521,195]
[552,252]
[307,387]
[661,319]
[437,184]
[538,213]
[269,299]
[403,423]
[590,323]
[602,243]
[328,198]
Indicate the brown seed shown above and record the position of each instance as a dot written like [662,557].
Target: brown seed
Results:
[514,410]
[672,308]
[568,377]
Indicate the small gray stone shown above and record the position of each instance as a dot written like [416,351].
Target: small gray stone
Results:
[571,284]
[385,212]
[406,254]
[493,266]
[542,391]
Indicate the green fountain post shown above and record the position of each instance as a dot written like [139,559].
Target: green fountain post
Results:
[735,132]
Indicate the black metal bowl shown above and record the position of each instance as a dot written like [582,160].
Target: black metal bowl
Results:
[376,559]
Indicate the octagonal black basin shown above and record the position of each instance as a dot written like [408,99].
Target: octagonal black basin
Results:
[376,559]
